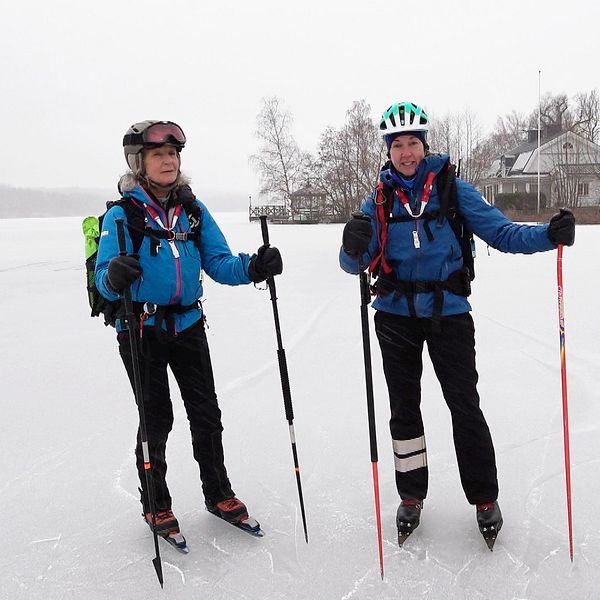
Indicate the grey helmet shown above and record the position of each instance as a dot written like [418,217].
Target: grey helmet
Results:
[150,134]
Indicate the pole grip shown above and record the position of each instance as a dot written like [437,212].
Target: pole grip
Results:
[127,304]
[264,229]
[365,290]
[121,236]
[285,385]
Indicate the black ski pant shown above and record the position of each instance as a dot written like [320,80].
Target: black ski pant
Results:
[452,352]
[188,357]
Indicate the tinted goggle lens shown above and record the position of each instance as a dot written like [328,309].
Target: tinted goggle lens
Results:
[162,133]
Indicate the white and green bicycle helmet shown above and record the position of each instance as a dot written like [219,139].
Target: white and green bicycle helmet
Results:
[404,117]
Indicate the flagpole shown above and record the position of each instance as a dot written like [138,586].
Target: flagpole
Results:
[539,136]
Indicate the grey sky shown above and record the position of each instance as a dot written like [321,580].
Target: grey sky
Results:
[76,74]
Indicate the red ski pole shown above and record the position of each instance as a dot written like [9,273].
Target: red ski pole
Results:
[565,401]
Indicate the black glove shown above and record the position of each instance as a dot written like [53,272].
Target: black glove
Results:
[265,263]
[562,228]
[122,272]
[357,234]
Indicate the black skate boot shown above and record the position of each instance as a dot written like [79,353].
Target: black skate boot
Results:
[408,518]
[489,519]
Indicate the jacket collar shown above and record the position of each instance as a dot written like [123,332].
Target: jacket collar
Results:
[432,162]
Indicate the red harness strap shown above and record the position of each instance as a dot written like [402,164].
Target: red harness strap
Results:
[382,218]
[381,229]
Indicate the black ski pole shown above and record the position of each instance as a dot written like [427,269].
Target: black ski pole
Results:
[283,374]
[129,321]
[365,300]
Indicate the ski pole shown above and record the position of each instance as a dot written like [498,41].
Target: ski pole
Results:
[565,401]
[129,321]
[283,374]
[365,297]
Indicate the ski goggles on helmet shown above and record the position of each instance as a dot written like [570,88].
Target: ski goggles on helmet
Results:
[157,134]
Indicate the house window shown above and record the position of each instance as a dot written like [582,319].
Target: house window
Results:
[583,189]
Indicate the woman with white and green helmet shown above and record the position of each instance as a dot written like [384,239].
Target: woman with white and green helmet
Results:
[410,233]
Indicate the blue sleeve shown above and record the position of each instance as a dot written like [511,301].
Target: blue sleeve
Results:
[108,248]
[349,263]
[489,224]
[217,260]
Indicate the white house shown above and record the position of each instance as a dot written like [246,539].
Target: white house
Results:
[569,167]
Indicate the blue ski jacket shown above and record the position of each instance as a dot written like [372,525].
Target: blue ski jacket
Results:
[173,276]
[435,260]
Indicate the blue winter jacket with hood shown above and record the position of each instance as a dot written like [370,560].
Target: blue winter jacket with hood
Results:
[435,260]
[173,275]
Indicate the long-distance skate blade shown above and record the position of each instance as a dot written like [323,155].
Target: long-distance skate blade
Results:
[404,532]
[490,533]
[490,541]
[177,541]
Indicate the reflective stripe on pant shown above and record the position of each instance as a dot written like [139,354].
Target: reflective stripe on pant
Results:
[188,357]
[410,454]
[452,352]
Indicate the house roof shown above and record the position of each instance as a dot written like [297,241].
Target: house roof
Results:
[522,147]
[526,146]
[308,190]
[521,162]
[523,158]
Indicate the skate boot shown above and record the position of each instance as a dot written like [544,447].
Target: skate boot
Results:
[167,527]
[231,510]
[408,518]
[489,519]
[234,511]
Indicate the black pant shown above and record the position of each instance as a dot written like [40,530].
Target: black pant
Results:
[452,352]
[188,356]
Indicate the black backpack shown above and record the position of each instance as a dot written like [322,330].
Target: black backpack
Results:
[446,182]
[136,224]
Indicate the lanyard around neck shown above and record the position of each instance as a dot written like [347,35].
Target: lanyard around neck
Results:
[427,187]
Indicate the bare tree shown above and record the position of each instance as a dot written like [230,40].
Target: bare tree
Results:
[279,161]
[587,115]
[330,172]
[460,136]
[555,114]
[565,177]
[349,159]
[509,131]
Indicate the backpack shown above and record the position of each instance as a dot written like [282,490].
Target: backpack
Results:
[446,181]
[446,187]
[137,228]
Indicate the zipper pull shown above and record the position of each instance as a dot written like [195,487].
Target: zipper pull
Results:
[416,241]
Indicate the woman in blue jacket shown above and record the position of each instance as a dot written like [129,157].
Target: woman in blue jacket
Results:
[170,238]
[404,235]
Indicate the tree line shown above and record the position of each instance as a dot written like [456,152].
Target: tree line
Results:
[348,158]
